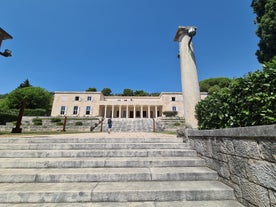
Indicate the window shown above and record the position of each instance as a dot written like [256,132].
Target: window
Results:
[76,110]
[77,98]
[173,98]
[88,110]
[174,108]
[89,98]
[62,110]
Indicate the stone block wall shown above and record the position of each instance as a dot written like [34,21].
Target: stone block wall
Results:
[48,126]
[245,159]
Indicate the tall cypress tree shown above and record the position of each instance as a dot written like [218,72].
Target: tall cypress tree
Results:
[265,11]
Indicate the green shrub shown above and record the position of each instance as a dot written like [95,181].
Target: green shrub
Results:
[78,123]
[170,113]
[35,112]
[248,101]
[37,121]
[177,124]
[55,120]
[7,117]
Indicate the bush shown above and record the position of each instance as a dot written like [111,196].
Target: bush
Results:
[78,123]
[7,117]
[55,120]
[177,124]
[170,113]
[37,121]
[249,101]
[35,112]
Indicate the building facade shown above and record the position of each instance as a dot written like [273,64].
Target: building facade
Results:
[92,104]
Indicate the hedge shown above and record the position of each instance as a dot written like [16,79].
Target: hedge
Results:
[170,113]
[7,117]
[248,101]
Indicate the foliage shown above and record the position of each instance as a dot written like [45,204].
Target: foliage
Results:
[7,117]
[35,112]
[265,11]
[37,121]
[127,92]
[55,120]
[140,93]
[2,96]
[36,98]
[248,101]
[155,94]
[170,113]
[78,123]
[212,85]
[106,92]
[91,90]
[26,83]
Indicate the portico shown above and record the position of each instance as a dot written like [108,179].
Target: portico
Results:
[130,111]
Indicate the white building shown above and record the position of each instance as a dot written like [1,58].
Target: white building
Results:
[91,104]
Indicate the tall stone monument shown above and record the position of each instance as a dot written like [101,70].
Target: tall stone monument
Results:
[189,78]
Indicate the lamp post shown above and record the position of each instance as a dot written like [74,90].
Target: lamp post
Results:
[4,36]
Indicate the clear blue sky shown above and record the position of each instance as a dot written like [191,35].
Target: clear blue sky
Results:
[71,45]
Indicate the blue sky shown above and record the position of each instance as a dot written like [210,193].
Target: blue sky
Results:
[71,45]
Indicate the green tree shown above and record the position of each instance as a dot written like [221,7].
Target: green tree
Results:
[91,90]
[26,83]
[140,93]
[212,85]
[128,92]
[106,92]
[265,11]
[36,98]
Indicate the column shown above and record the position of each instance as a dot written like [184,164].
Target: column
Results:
[148,111]
[141,111]
[134,111]
[112,112]
[189,78]
[105,110]
[120,111]
[126,111]
[155,111]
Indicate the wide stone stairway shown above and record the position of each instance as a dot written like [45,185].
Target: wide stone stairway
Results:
[110,171]
[129,125]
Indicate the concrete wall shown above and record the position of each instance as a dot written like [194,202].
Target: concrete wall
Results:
[245,159]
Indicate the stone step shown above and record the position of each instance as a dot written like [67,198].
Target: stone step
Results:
[223,203]
[99,153]
[87,140]
[114,191]
[64,146]
[106,174]
[89,162]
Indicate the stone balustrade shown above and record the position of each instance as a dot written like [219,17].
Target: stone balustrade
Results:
[245,159]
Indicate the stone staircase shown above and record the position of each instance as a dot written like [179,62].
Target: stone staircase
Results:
[104,172]
[129,125]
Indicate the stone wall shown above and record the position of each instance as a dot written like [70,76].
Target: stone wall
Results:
[87,125]
[245,159]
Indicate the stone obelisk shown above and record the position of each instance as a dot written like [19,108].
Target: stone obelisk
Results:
[189,78]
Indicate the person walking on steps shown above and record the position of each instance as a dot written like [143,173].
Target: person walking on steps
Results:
[109,123]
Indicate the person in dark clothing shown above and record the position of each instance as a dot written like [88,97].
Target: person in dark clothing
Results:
[109,123]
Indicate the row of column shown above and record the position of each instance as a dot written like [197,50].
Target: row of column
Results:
[126,111]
